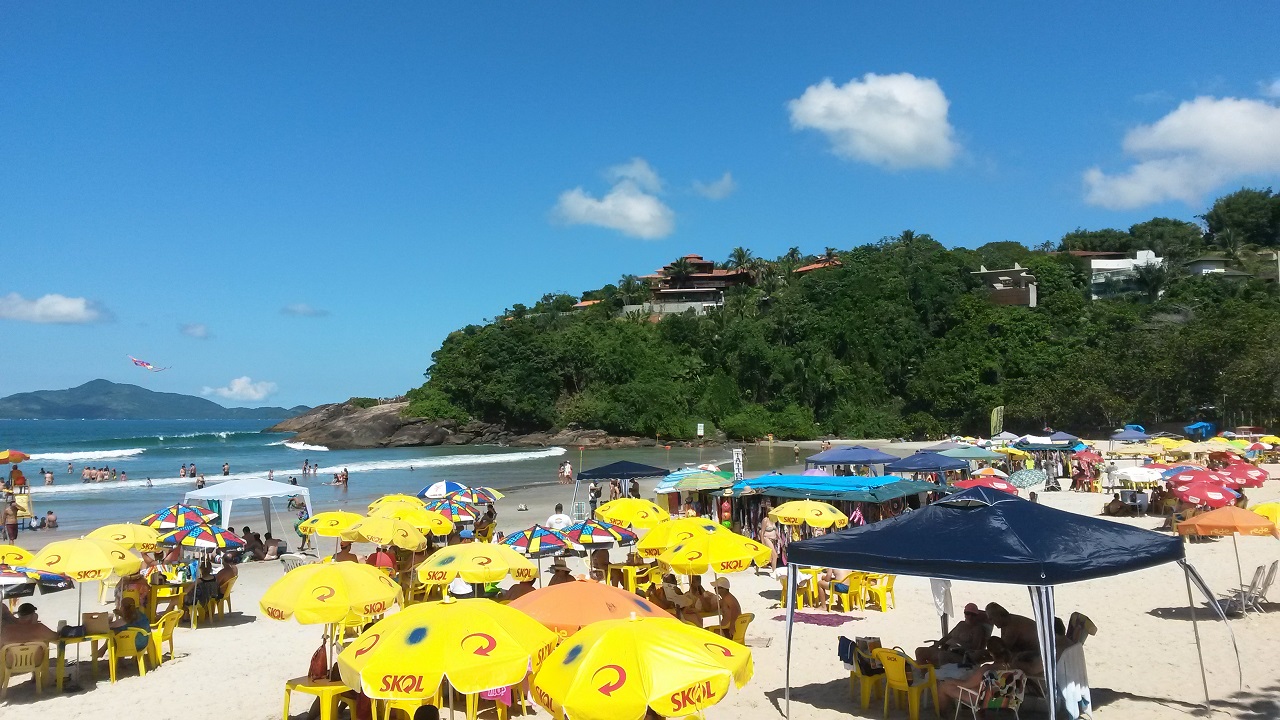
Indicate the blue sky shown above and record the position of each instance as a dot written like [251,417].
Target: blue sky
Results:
[391,172]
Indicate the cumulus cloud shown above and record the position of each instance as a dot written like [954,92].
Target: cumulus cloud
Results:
[1201,145]
[303,310]
[200,331]
[1270,89]
[894,121]
[631,206]
[243,388]
[51,309]
[718,189]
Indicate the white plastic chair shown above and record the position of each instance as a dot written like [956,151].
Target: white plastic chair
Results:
[1245,598]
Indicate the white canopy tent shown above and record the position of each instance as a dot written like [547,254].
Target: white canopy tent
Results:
[224,494]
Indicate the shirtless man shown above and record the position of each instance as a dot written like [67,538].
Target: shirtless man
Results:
[1017,632]
[10,517]
[730,609]
[344,553]
[966,641]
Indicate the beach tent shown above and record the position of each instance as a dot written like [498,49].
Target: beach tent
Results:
[850,455]
[1130,435]
[1005,438]
[622,470]
[226,493]
[996,537]
[972,453]
[944,445]
[854,488]
[1064,437]
[1200,429]
[926,462]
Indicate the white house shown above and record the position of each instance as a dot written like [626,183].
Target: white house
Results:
[1110,276]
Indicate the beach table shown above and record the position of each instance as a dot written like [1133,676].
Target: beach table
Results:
[108,637]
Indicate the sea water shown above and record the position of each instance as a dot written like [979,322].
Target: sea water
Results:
[155,450]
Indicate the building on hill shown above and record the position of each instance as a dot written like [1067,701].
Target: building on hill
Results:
[690,283]
[1014,286]
[820,264]
[1216,265]
[1111,276]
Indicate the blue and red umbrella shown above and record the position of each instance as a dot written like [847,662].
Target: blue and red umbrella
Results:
[202,536]
[456,512]
[176,516]
[597,533]
[22,581]
[539,542]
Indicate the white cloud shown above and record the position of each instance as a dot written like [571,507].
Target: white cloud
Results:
[303,310]
[51,309]
[199,331]
[243,388]
[631,206]
[1270,89]
[717,189]
[1201,145]
[894,121]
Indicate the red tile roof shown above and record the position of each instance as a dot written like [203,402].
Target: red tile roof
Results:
[833,262]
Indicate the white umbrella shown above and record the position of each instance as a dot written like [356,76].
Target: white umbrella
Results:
[1140,474]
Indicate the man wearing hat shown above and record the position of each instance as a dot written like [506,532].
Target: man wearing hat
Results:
[559,573]
[344,553]
[730,609]
[966,642]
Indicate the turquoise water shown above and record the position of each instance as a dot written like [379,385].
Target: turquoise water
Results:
[156,449]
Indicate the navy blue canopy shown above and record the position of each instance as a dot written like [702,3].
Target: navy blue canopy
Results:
[1128,435]
[1063,437]
[622,470]
[850,455]
[926,462]
[988,535]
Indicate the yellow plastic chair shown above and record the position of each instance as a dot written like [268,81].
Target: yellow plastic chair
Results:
[22,659]
[863,680]
[855,596]
[125,646]
[880,591]
[162,632]
[173,594]
[801,593]
[740,627]
[330,693]
[217,604]
[408,707]
[648,580]
[899,672]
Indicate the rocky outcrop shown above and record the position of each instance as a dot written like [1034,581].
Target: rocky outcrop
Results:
[343,426]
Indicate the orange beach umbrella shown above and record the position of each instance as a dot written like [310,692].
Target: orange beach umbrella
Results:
[567,607]
[13,456]
[1229,520]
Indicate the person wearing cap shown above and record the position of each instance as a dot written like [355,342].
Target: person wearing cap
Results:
[559,573]
[344,553]
[467,535]
[965,642]
[730,609]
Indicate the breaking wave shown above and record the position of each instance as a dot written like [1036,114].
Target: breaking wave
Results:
[88,455]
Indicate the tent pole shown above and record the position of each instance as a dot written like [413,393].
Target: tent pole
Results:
[1043,609]
[792,575]
[1195,628]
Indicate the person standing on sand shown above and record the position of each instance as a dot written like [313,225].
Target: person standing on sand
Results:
[635,489]
[769,537]
[593,495]
[568,472]
[10,517]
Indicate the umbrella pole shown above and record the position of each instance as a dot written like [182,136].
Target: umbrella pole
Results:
[1239,573]
[1195,628]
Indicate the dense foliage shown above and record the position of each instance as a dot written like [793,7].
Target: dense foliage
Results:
[899,340]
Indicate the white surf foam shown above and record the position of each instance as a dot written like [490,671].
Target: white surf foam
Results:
[306,447]
[88,455]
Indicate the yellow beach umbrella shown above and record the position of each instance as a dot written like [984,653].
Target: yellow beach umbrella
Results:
[138,537]
[14,555]
[476,563]
[1268,510]
[323,593]
[398,498]
[721,553]
[619,669]
[1012,451]
[386,531]
[84,559]
[475,644]
[329,524]
[426,521]
[809,512]
[632,512]
[1269,439]
[672,532]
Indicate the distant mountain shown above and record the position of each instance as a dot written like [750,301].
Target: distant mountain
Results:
[105,400]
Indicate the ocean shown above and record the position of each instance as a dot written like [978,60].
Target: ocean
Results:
[156,449]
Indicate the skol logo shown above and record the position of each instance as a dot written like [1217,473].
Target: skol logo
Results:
[404,684]
[53,560]
[485,647]
[542,698]
[611,684]
[324,592]
[435,576]
[698,695]
[375,608]
[275,613]
[544,652]
[372,642]
[84,575]
[483,560]
[521,574]
[732,566]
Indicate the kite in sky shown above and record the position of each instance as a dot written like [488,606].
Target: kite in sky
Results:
[146,365]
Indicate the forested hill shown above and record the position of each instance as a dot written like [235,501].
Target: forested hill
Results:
[899,339]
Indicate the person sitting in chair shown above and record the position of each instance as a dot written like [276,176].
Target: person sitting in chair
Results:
[965,642]
[1116,507]
[949,690]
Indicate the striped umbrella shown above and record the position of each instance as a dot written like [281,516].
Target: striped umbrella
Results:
[597,533]
[22,581]
[454,511]
[202,536]
[988,482]
[176,516]
[476,495]
[440,489]
[539,542]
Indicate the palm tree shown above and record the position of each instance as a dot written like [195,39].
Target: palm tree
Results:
[678,270]
[1151,279]
[631,289]
[739,258]
[829,254]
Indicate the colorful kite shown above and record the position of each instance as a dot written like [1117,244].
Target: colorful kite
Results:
[146,365]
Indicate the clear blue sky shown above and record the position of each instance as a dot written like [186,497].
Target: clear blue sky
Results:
[402,170]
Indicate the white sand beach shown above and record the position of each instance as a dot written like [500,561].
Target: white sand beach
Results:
[1141,664]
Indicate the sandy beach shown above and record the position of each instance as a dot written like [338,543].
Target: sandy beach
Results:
[1141,664]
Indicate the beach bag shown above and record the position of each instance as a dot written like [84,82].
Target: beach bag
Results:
[319,668]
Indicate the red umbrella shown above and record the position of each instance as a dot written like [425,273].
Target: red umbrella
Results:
[1244,475]
[382,559]
[1208,494]
[1088,456]
[987,481]
[1187,477]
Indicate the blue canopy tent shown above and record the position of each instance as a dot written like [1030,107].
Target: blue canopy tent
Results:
[622,470]
[1128,435]
[926,462]
[873,489]
[1200,429]
[972,453]
[1065,437]
[850,455]
[992,536]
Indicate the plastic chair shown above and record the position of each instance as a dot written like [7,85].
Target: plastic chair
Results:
[294,560]
[22,659]
[125,646]
[899,672]
[174,594]
[408,707]
[162,632]
[654,576]
[330,692]
[855,596]
[880,591]
[1246,598]
[218,603]
[864,677]
[801,592]
[1000,690]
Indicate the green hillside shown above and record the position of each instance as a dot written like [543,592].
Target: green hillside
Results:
[105,400]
